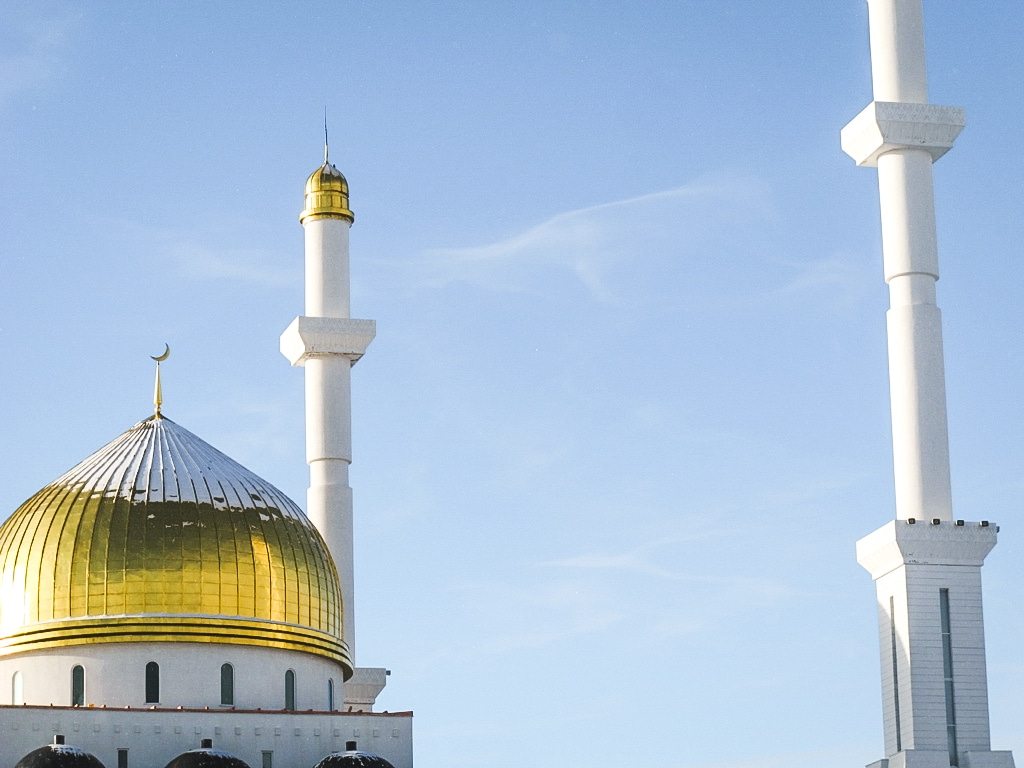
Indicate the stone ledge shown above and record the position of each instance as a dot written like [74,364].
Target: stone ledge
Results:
[899,542]
[994,759]
[884,126]
[313,337]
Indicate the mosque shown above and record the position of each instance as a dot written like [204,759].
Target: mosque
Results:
[161,605]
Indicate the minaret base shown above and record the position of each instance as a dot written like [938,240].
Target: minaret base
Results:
[927,577]
[919,758]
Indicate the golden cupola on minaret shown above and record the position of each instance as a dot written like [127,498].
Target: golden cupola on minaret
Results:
[159,537]
[326,194]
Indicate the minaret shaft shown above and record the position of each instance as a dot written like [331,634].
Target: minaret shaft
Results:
[916,372]
[917,383]
[327,270]
[329,407]
[329,453]
[897,51]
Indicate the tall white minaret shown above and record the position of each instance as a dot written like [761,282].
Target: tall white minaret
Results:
[926,564]
[328,342]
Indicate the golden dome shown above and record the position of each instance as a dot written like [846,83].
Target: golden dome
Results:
[326,195]
[160,537]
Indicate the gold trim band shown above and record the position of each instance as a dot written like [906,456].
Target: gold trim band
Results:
[177,629]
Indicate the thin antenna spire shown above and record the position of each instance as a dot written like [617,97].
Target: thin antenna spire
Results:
[326,155]
[158,392]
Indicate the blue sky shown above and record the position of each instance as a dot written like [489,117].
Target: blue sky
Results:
[627,409]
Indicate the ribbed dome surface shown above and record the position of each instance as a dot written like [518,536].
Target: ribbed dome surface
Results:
[326,195]
[158,536]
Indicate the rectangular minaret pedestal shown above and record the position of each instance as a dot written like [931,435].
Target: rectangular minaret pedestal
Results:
[926,565]
[932,641]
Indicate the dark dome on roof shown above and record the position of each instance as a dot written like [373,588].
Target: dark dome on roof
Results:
[353,758]
[207,757]
[59,756]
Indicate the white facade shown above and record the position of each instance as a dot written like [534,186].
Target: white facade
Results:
[152,737]
[926,565]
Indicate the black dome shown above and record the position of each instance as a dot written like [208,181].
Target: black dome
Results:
[207,758]
[353,758]
[59,756]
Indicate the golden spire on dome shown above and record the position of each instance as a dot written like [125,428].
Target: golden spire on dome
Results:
[326,191]
[158,392]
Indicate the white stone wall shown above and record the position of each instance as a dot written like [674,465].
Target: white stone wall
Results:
[189,675]
[915,589]
[154,736]
[911,564]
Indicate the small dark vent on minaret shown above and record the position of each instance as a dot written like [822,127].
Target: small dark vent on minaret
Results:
[206,744]
[350,746]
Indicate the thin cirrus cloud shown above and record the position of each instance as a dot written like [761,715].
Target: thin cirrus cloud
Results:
[595,244]
[204,263]
[34,50]
[716,243]
[525,615]
[206,256]
[635,561]
[832,757]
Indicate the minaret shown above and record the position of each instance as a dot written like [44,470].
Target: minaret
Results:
[328,342]
[926,565]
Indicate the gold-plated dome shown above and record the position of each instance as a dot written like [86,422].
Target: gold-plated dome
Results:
[326,195]
[158,536]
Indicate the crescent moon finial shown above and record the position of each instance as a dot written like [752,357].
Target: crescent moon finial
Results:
[164,355]
[158,392]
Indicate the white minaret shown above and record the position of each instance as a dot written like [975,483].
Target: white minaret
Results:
[328,342]
[926,565]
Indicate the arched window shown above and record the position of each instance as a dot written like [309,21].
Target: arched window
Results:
[152,683]
[330,694]
[78,686]
[17,689]
[289,690]
[227,684]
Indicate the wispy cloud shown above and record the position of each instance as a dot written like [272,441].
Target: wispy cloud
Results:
[591,243]
[716,243]
[33,50]
[639,561]
[196,261]
[199,256]
[562,600]
[838,756]
[841,277]
[536,615]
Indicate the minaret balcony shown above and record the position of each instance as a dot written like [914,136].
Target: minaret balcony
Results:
[313,337]
[884,126]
